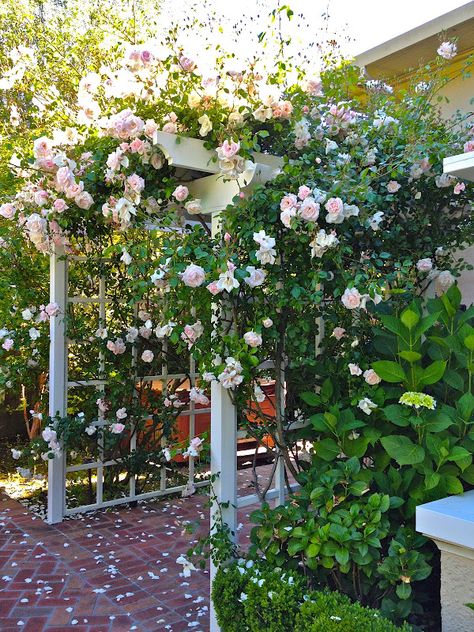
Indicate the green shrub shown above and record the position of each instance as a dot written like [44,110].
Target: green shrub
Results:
[331,612]
[252,597]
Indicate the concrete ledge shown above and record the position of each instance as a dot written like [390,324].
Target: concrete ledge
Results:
[450,519]
[461,165]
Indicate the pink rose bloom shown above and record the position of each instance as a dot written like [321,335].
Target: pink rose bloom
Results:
[116,428]
[227,237]
[351,298]
[213,288]
[46,164]
[7,211]
[84,200]
[288,201]
[338,332]
[186,63]
[371,377]
[74,189]
[146,56]
[170,128]
[228,149]
[150,128]
[41,198]
[355,369]
[335,209]
[8,344]
[253,339]
[42,147]
[102,405]
[287,216]
[303,192]
[121,413]
[459,187]
[118,347]
[309,209]
[314,87]
[60,205]
[393,186]
[193,276]
[197,396]
[52,309]
[181,193]
[267,323]
[136,183]
[147,355]
[64,178]
[136,146]
[447,50]
[424,265]
[468,146]
[443,282]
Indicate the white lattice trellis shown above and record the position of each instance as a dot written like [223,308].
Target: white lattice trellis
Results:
[215,194]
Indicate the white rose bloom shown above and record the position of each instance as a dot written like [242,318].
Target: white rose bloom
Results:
[366,405]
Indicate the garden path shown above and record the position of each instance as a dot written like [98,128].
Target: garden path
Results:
[108,571]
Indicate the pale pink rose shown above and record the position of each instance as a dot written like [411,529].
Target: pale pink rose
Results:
[7,211]
[181,193]
[8,344]
[74,189]
[303,192]
[41,198]
[193,276]
[121,413]
[424,265]
[46,164]
[136,183]
[284,109]
[351,298]
[118,347]
[228,149]
[314,87]
[253,339]
[309,209]
[227,237]
[443,282]
[288,201]
[84,200]
[447,50]
[213,288]
[355,369]
[197,396]
[371,377]
[64,178]
[42,147]
[468,146]
[459,187]
[393,186]
[49,434]
[146,56]
[287,216]
[335,209]
[52,309]
[136,146]
[116,428]
[193,207]
[338,332]
[102,405]
[147,356]
[150,128]
[186,63]
[60,205]
[256,276]
[170,128]
[267,323]
[145,332]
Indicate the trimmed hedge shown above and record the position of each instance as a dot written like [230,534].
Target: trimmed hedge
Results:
[253,598]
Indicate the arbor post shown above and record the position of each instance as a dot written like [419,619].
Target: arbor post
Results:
[57,381]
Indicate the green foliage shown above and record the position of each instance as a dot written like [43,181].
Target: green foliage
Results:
[252,597]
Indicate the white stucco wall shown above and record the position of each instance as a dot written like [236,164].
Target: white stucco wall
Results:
[457,589]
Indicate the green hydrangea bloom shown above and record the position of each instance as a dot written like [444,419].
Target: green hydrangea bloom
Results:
[418,400]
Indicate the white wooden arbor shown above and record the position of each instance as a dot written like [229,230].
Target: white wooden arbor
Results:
[215,194]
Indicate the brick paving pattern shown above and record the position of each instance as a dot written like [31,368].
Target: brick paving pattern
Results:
[108,571]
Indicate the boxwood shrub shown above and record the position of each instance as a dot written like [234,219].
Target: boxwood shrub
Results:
[251,597]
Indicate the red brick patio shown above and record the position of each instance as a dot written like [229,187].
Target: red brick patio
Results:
[106,571]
